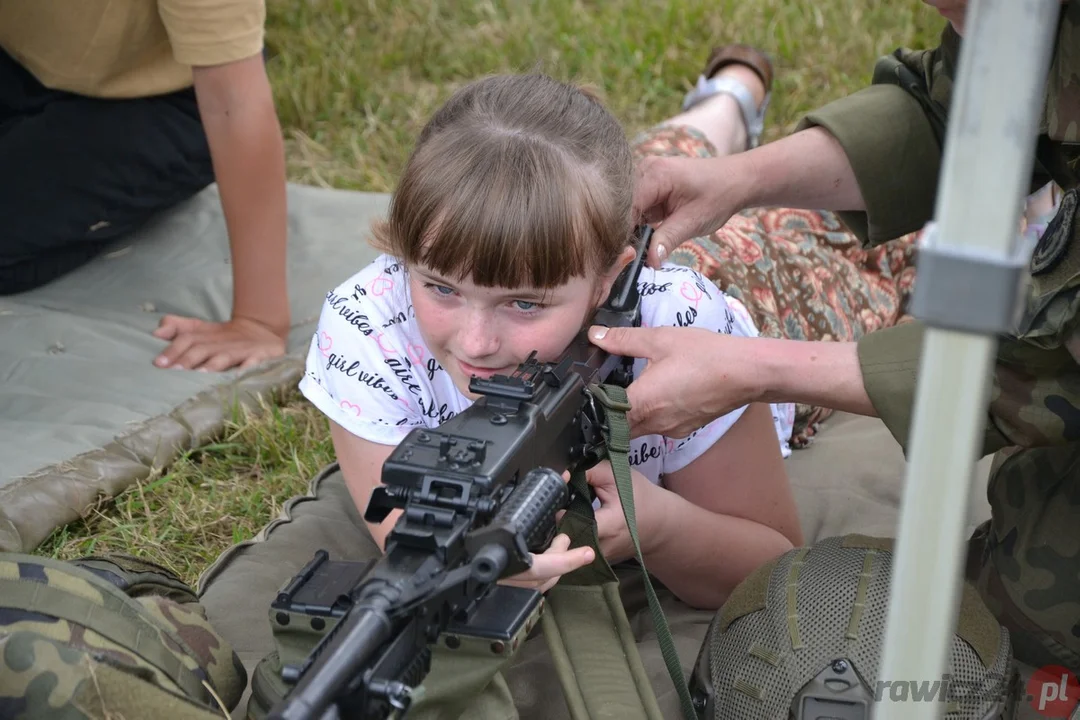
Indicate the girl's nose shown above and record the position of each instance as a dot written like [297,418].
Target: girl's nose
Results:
[479,337]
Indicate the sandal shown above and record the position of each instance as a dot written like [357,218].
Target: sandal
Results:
[708,86]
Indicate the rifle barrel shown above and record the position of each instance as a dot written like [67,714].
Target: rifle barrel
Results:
[365,629]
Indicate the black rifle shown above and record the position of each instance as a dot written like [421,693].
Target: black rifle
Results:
[479,493]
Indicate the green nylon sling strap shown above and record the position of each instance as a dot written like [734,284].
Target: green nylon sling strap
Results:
[585,624]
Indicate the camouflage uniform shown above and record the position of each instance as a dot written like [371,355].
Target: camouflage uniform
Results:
[1026,559]
[105,638]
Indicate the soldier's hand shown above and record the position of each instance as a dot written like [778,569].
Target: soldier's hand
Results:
[683,198]
[692,376]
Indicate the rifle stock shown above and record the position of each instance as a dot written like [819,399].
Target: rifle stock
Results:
[479,493]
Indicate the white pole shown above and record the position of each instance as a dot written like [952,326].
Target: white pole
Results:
[964,292]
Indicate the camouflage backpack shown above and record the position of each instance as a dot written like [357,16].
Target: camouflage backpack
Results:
[105,638]
[801,638]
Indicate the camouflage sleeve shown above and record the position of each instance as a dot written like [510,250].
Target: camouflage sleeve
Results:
[1034,393]
[889,361]
[891,133]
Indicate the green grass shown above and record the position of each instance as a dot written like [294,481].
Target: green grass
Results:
[354,82]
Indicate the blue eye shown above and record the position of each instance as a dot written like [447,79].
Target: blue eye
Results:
[439,289]
[521,304]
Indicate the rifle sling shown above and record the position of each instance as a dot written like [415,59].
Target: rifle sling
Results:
[585,623]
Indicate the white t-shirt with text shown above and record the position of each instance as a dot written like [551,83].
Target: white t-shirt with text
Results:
[369,371]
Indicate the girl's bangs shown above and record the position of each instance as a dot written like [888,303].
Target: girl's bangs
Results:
[508,216]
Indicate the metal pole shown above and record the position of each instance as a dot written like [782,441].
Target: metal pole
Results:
[966,290]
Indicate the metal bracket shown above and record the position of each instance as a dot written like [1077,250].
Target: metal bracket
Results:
[969,289]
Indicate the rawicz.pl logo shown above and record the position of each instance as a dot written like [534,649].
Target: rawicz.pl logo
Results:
[1053,691]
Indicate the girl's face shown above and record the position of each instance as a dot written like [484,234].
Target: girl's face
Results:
[473,330]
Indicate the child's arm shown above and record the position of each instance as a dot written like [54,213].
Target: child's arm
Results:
[361,465]
[718,519]
[237,112]
[724,514]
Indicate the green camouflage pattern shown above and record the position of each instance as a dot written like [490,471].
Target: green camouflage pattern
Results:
[138,577]
[1035,397]
[1061,117]
[102,665]
[1028,572]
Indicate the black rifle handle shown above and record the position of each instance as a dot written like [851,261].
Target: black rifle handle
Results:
[530,509]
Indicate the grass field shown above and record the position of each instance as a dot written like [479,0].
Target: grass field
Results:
[354,82]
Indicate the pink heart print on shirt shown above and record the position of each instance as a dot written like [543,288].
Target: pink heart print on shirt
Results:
[354,409]
[386,347]
[381,285]
[691,292]
[669,446]
[325,343]
[416,353]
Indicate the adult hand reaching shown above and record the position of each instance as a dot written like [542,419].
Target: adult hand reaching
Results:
[684,198]
[717,371]
[693,376]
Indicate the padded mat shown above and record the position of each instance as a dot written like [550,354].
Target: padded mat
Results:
[850,480]
[83,411]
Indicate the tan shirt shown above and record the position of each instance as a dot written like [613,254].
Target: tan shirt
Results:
[128,48]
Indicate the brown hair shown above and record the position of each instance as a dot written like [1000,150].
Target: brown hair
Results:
[518,180]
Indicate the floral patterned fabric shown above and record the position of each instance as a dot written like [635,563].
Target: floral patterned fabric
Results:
[799,273]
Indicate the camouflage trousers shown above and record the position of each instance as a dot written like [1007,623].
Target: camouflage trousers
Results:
[105,638]
[1026,558]
[1029,569]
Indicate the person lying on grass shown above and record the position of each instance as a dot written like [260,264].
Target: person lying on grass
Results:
[508,227]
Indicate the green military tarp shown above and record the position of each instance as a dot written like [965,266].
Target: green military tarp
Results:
[82,409]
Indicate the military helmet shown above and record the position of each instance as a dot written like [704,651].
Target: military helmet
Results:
[801,638]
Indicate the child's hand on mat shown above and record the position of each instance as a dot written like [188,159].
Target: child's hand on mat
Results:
[212,346]
[552,564]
